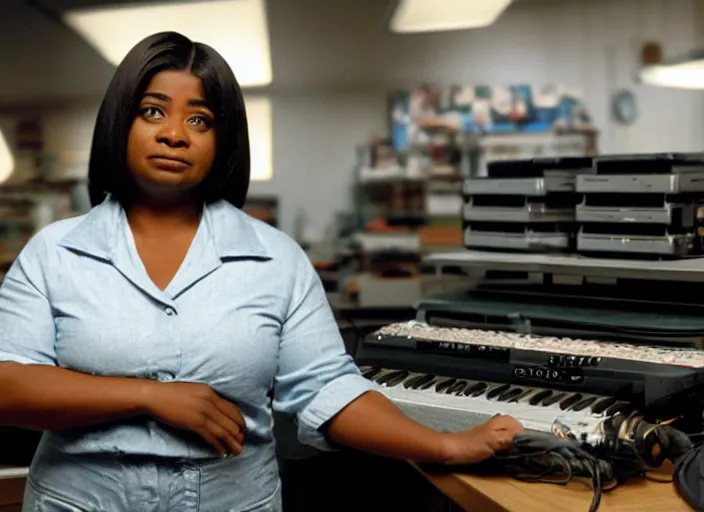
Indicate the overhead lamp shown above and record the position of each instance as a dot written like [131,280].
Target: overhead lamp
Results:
[684,73]
[7,161]
[237,29]
[440,15]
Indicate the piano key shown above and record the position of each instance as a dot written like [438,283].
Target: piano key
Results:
[553,399]
[416,381]
[603,404]
[475,389]
[496,391]
[583,404]
[570,401]
[539,397]
[370,372]
[524,394]
[457,387]
[509,394]
[391,376]
[619,407]
[444,384]
[429,384]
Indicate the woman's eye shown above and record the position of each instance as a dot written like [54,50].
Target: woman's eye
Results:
[151,112]
[200,121]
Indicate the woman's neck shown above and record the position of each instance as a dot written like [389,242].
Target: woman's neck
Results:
[154,217]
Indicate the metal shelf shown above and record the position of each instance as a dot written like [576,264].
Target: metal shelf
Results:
[689,270]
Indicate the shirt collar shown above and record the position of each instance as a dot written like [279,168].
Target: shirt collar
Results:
[233,232]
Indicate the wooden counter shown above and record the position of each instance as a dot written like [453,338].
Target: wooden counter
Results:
[503,494]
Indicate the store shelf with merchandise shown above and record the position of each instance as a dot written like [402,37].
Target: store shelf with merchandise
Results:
[27,206]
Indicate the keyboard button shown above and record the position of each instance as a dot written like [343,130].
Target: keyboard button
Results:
[619,407]
[444,384]
[417,380]
[539,397]
[457,387]
[506,396]
[553,399]
[495,392]
[370,373]
[583,404]
[428,384]
[521,396]
[600,406]
[392,376]
[475,390]
[570,401]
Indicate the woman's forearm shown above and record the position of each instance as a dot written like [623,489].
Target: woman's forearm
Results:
[375,425]
[49,398]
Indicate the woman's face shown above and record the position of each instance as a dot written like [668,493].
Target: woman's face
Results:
[171,144]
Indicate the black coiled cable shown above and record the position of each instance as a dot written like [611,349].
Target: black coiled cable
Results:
[688,477]
[629,447]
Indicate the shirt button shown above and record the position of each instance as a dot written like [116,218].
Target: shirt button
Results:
[170,311]
[164,376]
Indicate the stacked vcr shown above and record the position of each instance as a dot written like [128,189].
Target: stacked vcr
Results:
[642,206]
[524,205]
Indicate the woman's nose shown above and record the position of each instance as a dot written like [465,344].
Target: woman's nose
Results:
[173,135]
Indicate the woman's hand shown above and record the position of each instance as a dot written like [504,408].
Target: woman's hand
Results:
[199,409]
[482,441]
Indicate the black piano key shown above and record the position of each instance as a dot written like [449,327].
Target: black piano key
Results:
[370,373]
[602,405]
[429,384]
[475,389]
[417,381]
[444,384]
[553,399]
[583,404]
[570,401]
[387,378]
[539,397]
[398,379]
[497,391]
[457,387]
[506,396]
[620,407]
[521,396]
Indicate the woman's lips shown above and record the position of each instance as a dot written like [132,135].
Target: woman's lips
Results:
[169,164]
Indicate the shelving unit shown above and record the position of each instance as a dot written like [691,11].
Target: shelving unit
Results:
[27,206]
[685,270]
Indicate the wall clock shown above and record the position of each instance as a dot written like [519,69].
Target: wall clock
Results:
[624,107]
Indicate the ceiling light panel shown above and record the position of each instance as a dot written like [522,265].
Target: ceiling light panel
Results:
[259,123]
[439,15]
[7,161]
[237,29]
[683,75]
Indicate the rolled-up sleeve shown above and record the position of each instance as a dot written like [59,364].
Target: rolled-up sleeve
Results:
[316,377]
[27,329]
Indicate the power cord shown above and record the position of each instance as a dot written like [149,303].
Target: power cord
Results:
[625,447]
[688,477]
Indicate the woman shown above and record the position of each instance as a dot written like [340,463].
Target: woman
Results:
[145,336]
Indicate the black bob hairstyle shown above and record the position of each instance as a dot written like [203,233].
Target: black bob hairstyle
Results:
[107,170]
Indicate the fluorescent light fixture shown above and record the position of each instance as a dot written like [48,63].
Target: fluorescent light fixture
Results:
[7,161]
[438,15]
[259,123]
[683,73]
[237,29]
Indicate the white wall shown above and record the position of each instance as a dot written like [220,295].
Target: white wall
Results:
[332,72]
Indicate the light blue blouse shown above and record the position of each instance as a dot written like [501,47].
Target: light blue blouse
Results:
[245,314]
